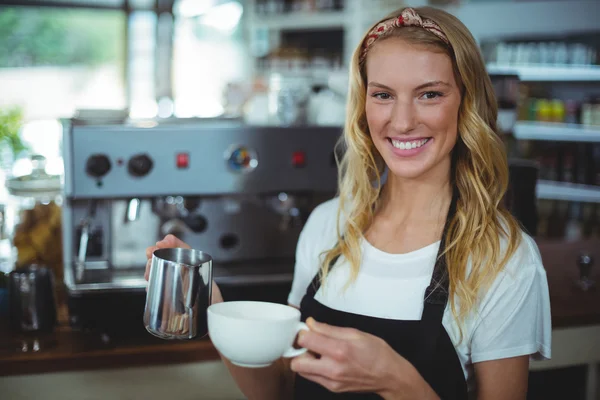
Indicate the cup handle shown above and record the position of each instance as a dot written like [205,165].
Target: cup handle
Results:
[293,352]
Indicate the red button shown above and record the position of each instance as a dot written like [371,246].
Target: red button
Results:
[298,159]
[183,160]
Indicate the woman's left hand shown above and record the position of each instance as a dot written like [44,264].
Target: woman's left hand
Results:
[348,360]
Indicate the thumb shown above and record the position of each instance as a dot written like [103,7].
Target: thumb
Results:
[332,331]
[171,241]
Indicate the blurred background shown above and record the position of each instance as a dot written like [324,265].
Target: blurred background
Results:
[82,78]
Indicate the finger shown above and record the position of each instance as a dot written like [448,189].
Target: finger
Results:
[330,346]
[303,363]
[320,344]
[147,272]
[149,251]
[329,384]
[332,331]
[308,363]
[172,241]
[217,297]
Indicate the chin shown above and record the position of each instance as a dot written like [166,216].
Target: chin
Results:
[406,173]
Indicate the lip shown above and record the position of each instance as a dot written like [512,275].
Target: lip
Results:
[410,152]
[407,139]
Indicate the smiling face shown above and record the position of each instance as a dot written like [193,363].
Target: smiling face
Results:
[412,108]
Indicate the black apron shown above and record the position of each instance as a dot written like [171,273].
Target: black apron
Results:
[425,343]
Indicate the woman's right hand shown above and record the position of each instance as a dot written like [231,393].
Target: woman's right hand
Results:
[169,242]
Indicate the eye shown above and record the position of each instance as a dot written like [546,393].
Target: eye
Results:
[431,95]
[382,96]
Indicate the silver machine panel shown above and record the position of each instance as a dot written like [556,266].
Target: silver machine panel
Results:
[241,194]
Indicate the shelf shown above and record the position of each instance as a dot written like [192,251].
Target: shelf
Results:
[568,191]
[304,21]
[547,73]
[556,132]
[317,76]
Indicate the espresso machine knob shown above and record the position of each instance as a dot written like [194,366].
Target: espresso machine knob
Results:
[97,165]
[140,165]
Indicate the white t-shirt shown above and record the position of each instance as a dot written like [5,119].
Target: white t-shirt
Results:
[512,319]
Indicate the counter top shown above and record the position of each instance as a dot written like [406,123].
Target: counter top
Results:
[70,350]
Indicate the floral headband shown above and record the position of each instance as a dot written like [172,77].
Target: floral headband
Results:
[408,17]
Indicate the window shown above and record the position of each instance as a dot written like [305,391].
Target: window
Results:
[209,52]
[54,61]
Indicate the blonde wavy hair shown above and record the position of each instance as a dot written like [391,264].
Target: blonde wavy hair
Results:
[479,169]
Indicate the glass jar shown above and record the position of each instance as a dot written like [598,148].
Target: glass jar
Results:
[33,218]
[288,99]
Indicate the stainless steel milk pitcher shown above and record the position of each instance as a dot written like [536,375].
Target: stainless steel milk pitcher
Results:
[179,293]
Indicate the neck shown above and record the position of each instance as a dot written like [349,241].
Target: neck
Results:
[416,200]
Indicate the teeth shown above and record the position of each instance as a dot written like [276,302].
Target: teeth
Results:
[408,145]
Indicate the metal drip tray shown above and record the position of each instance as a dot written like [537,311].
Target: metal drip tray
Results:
[262,272]
[109,279]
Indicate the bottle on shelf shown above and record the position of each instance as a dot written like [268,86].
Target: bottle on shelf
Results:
[581,166]
[302,5]
[595,165]
[557,111]
[571,112]
[545,165]
[543,111]
[555,221]
[595,222]
[551,166]
[544,211]
[271,7]
[574,224]
[589,220]
[587,113]
[325,5]
[541,53]
[567,166]
[596,111]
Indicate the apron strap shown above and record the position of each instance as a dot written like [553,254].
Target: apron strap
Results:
[315,284]
[436,298]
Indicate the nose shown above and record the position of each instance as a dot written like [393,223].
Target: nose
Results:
[403,118]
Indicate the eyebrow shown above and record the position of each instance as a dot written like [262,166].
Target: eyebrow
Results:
[420,87]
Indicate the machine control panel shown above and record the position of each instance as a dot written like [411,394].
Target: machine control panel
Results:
[197,159]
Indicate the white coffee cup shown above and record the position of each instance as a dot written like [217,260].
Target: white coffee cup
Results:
[254,334]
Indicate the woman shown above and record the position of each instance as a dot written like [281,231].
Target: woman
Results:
[416,282]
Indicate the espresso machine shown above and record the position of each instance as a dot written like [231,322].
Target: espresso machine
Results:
[239,193]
